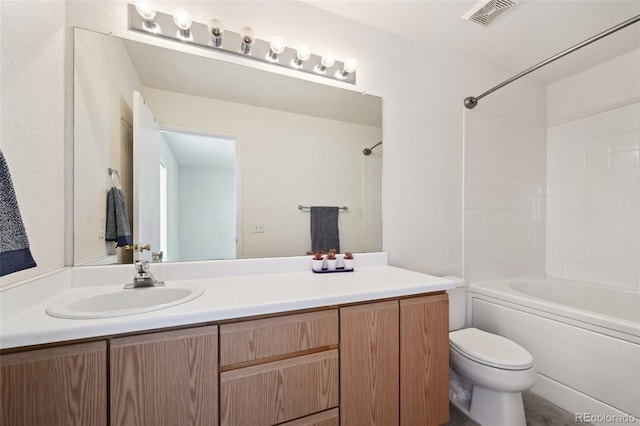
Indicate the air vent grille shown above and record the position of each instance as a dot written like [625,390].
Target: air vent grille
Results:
[487,10]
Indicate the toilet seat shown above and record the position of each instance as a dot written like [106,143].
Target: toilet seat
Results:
[490,349]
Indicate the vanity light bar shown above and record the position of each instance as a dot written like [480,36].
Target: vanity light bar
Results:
[163,26]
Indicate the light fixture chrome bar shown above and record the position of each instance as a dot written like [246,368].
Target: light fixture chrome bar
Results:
[472,101]
[231,43]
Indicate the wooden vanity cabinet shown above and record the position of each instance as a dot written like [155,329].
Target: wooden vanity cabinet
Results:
[165,378]
[58,386]
[372,364]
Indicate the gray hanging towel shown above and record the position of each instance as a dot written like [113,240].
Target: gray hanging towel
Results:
[15,254]
[117,228]
[324,229]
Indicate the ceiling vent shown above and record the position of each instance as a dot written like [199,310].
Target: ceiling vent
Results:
[487,10]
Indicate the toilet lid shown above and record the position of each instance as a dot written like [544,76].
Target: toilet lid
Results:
[490,349]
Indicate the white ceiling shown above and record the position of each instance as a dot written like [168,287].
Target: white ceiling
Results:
[526,34]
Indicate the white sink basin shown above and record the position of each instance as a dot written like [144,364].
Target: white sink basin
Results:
[90,303]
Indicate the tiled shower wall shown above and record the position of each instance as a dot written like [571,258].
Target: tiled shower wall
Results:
[504,197]
[593,207]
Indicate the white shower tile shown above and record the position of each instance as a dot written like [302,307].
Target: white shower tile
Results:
[627,199]
[624,235]
[574,131]
[474,255]
[596,254]
[624,160]
[573,271]
[598,145]
[574,166]
[623,257]
[623,276]
[573,253]
[474,181]
[597,164]
[596,182]
[624,180]
[623,141]
[598,126]
[573,149]
[596,219]
[597,273]
[474,199]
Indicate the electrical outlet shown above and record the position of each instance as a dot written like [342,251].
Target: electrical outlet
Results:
[258,228]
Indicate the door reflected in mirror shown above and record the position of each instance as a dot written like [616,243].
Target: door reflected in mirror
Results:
[233,151]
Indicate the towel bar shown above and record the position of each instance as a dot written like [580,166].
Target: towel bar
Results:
[301,207]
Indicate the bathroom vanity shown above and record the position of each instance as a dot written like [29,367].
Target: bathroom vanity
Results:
[368,347]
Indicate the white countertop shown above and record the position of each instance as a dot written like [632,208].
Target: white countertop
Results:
[225,298]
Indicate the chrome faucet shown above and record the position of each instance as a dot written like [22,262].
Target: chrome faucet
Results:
[143,277]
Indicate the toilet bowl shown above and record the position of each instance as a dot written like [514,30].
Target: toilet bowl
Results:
[496,369]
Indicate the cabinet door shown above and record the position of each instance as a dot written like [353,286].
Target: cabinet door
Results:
[55,386]
[369,364]
[167,378]
[424,360]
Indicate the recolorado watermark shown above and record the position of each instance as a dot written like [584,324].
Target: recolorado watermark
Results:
[605,418]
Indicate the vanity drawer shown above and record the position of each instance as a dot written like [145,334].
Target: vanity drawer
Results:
[279,391]
[250,341]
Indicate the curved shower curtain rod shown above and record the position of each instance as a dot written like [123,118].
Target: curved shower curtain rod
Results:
[472,101]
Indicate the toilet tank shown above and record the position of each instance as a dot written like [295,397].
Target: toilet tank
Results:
[457,304]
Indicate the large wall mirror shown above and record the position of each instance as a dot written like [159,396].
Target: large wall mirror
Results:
[214,158]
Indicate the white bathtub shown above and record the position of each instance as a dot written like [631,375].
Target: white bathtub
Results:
[585,339]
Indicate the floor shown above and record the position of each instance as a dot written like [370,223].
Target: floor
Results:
[538,411]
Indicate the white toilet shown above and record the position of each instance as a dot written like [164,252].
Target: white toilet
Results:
[489,372]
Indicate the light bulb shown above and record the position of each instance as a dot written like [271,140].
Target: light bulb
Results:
[277,47]
[216,29]
[248,38]
[183,21]
[328,59]
[302,54]
[350,65]
[146,10]
[148,13]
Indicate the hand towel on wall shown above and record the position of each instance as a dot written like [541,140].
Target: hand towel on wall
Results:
[15,254]
[117,229]
[324,229]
